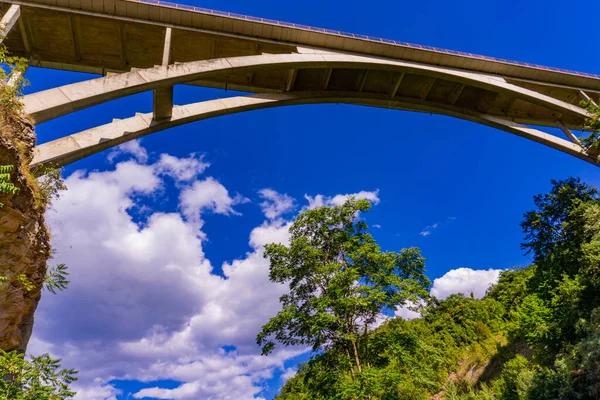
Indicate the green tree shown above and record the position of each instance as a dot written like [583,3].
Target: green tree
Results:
[340,282]
[563,234]
[512,287]
[40,378]
[592,141]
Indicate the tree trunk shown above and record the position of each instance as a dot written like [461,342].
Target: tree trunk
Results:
[356,357]
[349,362]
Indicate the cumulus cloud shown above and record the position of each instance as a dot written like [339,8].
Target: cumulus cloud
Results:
[409,311]
[144,302]
[133,148]
[181,169]
[288,374]
[276,204]
[210,195]
[465,281]
[337,200]
[96,391]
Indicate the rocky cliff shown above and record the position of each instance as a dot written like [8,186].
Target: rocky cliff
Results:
[24,238]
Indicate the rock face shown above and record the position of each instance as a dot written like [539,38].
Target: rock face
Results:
[24,238]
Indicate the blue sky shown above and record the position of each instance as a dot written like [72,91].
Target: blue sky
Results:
[468,185]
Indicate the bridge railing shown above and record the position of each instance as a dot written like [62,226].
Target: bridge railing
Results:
[362,37]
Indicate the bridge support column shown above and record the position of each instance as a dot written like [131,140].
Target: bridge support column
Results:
[9,20]
[291,79]
[397,85]
[568,132]
[583,96]
[163,97]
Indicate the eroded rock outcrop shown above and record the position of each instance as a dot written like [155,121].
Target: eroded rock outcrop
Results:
[24,238]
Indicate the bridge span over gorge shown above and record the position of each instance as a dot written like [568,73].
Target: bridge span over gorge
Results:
[152,45]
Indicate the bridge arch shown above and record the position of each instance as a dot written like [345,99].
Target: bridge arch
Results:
[52,103]
[71,148]
[249,54]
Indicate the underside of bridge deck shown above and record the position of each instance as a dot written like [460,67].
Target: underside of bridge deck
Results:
[140,45]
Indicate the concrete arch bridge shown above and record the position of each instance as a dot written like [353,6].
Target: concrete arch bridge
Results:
[152,45]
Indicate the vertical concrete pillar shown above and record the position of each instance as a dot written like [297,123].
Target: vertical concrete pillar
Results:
[163,98]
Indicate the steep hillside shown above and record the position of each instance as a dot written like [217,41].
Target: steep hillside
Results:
[535,335]
[24,239]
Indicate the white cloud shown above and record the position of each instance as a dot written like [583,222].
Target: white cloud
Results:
[276,204]
[208,194]
[337,200]
[144,303]
[465,281]
[409,310]
[96,391]
[181,169]
[133,147]
[428,229]
[376,226]
[288,374]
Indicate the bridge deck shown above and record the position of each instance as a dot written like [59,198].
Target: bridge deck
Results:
[104,36]
[91,35]
[153,45]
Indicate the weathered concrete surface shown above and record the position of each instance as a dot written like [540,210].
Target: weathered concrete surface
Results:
[77,146]
[116,35]
[481,92]
[24,239]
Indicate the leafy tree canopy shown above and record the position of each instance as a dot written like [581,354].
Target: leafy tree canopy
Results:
[340,283]
[40,378]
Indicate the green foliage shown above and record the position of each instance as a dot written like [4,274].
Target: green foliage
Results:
[592,141]
[56,279]
[26,284]
[512,287]
[40,378]
[562,234]
[340,283]
[49,183]
[12,71]
[409,359]
[515,379]
[549,312]
[6,186]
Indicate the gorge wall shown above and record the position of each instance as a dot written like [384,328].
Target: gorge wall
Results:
[24,238]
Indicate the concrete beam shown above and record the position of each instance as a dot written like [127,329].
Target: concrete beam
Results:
[257,30]
[583,96]
[9,20]
[166,58]
[291,79]
[163,97]
[397,85]
[454,96]
[24,35]
[568,133]
[363,80]
[162,103]
[74,147]
[49,104]
[327,78]
[73,21]
[426,89]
